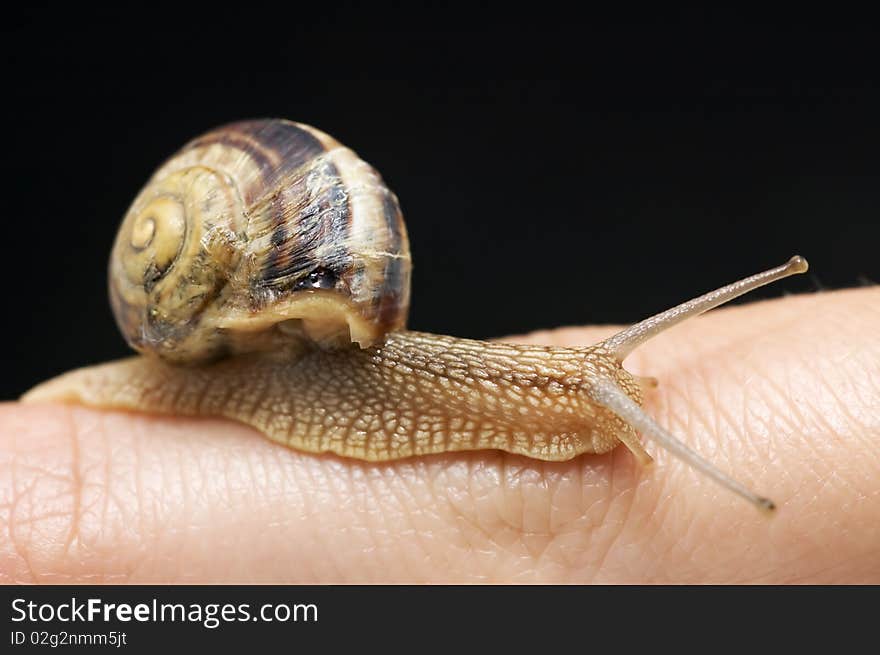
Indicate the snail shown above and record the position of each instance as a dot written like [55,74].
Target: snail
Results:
[263,273]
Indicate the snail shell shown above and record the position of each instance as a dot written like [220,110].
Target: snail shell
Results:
[255,231]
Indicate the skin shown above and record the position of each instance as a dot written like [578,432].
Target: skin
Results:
[784,394]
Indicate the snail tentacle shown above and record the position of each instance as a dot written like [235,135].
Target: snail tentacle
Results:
[624,342]
[607,394]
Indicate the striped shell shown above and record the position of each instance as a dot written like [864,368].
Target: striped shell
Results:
[254,231]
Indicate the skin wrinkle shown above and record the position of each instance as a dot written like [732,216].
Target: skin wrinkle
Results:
[509,505]
[421,517]
[293,480]
[834,392]
[472,535]
[821,575]
[737,421]
[726,555]
[683,418]
[325,545]
[310,512]
[792,415]
[723,442]
[818,448]
[721,552]
[427,518]
[604,529]
[562,520]
[808,540]
[512,530]
[730,436]
[76,485]
[484,528]
[140,492]
[702,415]
[550,552]
[661,407]
[713,413]
[705,381]
[367,500]
[784,393]
[653,522]
[871,380]
[186,496]
[798,561]
[376,524]
[18,497]
[116,491]
[466,533]
[215,491]
[238,486]
[759,425]
[600,562]
[650,518]
[849,486]
[273,472]
[810,409]
[273,494]
[553,553]
[457,542]
[76,496]
[439,503]
[119,499]
[545,544]
[180,488]
[507,476]
[535,525]
[681,539]
[390,523]
[409,516]
[579,528]
[504,502]
[14,524]
[95,493]
[425,543]
[384,516]
[232,486]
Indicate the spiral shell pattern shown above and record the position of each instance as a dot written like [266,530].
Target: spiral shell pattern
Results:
[253,228]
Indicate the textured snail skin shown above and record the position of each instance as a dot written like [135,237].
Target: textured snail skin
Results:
[411,394]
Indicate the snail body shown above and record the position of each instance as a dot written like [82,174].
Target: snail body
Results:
[263,273]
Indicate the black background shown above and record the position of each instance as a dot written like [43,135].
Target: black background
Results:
[554,168]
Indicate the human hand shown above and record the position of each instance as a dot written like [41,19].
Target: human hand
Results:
[785,395]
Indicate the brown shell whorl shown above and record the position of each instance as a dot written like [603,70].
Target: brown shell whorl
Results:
[254,226]
[173,255]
